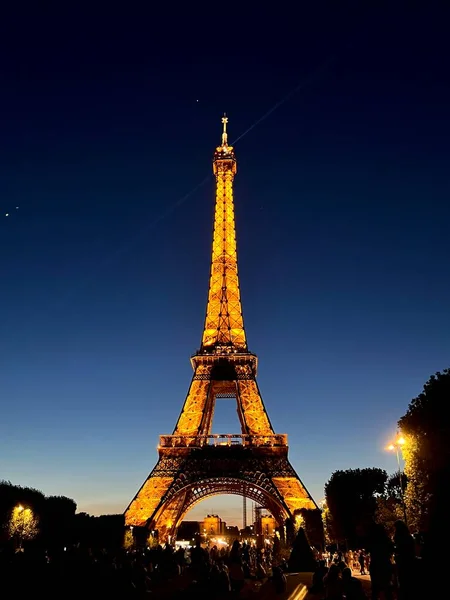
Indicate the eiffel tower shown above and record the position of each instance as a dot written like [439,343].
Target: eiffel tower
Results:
[193,463]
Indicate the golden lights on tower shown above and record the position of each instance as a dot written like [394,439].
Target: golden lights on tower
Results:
[223,368]
[224,324]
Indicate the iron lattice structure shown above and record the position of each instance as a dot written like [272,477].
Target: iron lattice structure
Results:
[193,464]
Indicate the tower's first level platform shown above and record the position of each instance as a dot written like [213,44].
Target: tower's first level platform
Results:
[223,439]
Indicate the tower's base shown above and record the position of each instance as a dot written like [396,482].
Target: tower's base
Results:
[184,476]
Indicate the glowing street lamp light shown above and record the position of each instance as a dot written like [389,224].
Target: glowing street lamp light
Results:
[396,447]
[22,525]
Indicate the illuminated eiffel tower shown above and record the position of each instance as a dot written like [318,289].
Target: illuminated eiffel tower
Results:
[194,464]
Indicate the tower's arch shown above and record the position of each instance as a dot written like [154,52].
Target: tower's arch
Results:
[172,512]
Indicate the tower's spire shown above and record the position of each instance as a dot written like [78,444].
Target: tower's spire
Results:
[224,326]
[224,132]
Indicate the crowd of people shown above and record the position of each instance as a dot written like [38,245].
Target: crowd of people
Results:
[393,567]
[161,572]
[212,572]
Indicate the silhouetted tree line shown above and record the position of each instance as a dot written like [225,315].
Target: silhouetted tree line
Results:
[358,498]
[58,524]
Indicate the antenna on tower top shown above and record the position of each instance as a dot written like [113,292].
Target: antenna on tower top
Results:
[224,133]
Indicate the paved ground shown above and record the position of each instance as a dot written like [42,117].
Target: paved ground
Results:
[300,583]
[297,589]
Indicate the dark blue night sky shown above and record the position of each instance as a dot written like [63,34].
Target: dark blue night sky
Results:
[108,123]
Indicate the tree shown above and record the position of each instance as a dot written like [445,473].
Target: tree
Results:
[351,498]
[311,521]
[396,486]
[15,495]
[426,428]
[299,521]
[290,531]
[387,513]
[104,531]
[23,525]
[55,514]
[390,504]
[327,526]
[57,522]
[152,540]
[128,539]
[302,557]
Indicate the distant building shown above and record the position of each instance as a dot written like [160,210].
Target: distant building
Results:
[232,532]
[212,525]
[267,525]
[248,531]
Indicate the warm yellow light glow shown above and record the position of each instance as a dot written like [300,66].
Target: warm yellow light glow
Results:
[23,524]
[224,327]
[147,500]
[128,540]
[194,405]
[224,133]
[293,493]
[299,522]
[255,415]
[300,592]
[224,323]
[398,443]
[223,368]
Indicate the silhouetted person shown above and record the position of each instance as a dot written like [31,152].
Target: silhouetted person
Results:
[362,563]
[333,584]
[405,559]
[353,589]
[318,575]
[279,580]
[342,565]
[224,579]
[381,550]
[235,570]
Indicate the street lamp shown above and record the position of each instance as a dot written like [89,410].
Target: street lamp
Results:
[396,447]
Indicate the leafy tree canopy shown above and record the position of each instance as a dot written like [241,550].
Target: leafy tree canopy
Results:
[351,497]
[426,427]
[428,421]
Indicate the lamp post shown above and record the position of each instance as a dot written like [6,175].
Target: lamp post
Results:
[396,447]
